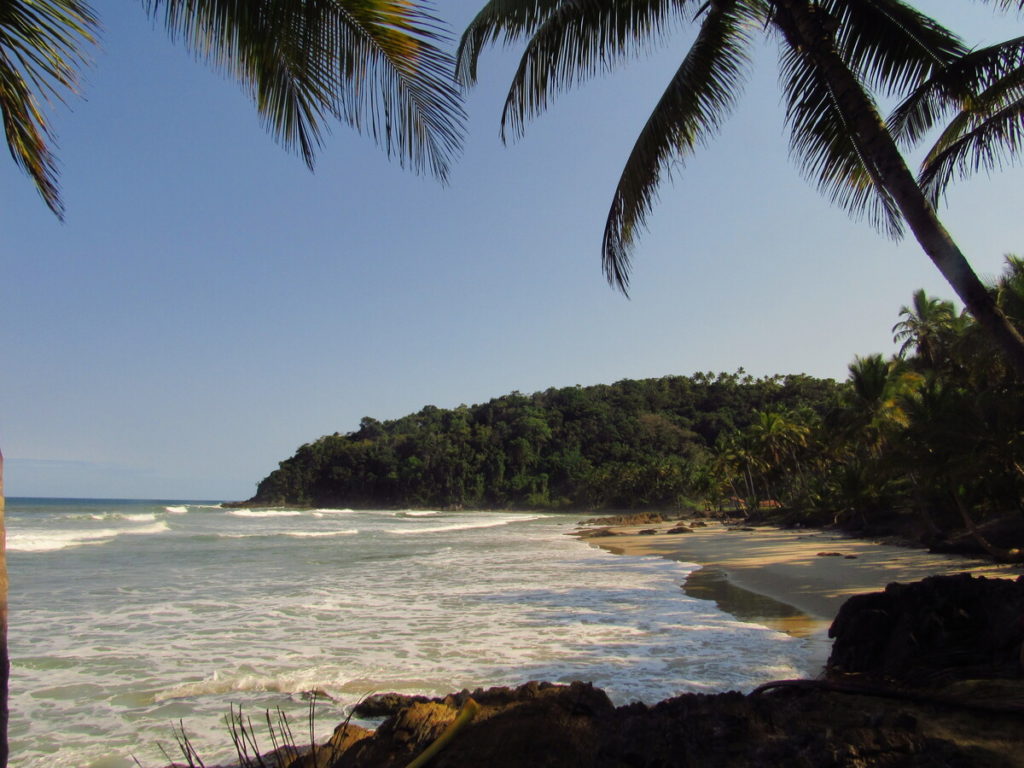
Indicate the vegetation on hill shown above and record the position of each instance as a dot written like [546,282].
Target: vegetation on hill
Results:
[934,434]
[632,444]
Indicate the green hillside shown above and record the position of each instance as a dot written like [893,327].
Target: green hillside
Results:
[632,444]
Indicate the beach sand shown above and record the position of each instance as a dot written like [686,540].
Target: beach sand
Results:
[777,577]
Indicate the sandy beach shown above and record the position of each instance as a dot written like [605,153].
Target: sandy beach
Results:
[792,580]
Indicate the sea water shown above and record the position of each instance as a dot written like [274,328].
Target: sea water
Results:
[128,618]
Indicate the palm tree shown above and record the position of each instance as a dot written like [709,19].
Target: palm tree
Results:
[984,93]
[376,65]
[834,55]
[777,436]
[871,411]
[927,328]
[373,64]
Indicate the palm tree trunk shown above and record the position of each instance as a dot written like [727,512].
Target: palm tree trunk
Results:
[933,531]
[5,662]
[998,554]
[751,491]
[810,29]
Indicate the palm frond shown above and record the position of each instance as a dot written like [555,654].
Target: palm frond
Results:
[988,145]
[1006,5]
[378,65]
[826,148]
[575,41]
[956,87]
[699,97]
[42,48]
[499,20]
[890,46]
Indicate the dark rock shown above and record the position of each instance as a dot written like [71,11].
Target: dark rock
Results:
[384,704]
[596,533]
[941,628]
[633,518]
[908,632]
[647,532]
[536,724]
[680,529]
[345,736]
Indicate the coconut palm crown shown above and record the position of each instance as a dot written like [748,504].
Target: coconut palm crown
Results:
[377,65]
[835,57]
[982,96]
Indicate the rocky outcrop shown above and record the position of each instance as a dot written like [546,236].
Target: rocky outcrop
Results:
[596,533]
[633,518]
[888,701]
[543,726]
[933,631]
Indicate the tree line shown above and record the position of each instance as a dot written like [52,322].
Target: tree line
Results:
[633,444]
[934,432]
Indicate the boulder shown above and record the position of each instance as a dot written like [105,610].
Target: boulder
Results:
[940,629]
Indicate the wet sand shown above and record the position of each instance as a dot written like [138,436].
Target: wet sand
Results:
[790,580]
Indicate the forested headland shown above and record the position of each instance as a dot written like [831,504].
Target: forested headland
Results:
[933,434]
[633,444]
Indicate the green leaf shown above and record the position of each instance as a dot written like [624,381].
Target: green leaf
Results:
[377,65]
[699,97]
[42,47]
[826,150]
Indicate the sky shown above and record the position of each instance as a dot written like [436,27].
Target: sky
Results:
[209,305]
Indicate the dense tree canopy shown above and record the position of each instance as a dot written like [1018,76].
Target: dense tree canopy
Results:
[935,433]
[629,444]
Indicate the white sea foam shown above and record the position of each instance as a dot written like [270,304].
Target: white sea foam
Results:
[247,679]
[176,510]
[203,621]
[425,513]
[333,512]
[264,513]
[460,526]
[51,541]
[142,517]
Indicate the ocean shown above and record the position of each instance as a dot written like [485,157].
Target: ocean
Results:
[128,618]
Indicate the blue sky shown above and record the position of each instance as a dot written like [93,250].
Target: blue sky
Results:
[209,305]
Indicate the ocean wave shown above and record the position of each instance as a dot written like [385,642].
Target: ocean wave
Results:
[321,534]
[176,510]
[52,541]
[140,517]
[460,526]
[425,513]
[264,512]
[249,681]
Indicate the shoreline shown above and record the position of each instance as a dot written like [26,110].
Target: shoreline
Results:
[791,580]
